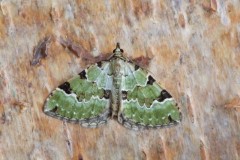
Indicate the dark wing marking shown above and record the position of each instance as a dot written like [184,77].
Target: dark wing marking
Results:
[144,103]
[84,98]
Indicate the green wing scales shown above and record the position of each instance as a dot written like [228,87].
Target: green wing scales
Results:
[145,104]
[84,98]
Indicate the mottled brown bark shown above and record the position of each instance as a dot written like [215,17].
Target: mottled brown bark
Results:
[191,47]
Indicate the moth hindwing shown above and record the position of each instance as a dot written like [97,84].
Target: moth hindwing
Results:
[114,88]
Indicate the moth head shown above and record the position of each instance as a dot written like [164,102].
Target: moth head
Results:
[118,49]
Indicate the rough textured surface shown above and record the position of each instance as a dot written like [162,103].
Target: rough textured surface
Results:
[194,51]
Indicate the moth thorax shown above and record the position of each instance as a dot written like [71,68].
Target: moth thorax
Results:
[118,54]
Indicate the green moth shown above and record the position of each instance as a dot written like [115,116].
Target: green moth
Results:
[115,88]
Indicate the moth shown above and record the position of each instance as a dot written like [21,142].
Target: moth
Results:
[114,88]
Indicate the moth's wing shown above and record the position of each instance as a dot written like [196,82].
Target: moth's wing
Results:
[145,104]
[84,98]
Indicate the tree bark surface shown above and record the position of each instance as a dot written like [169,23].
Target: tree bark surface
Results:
[192,48]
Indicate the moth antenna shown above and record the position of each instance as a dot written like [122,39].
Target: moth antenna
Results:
[118,45]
